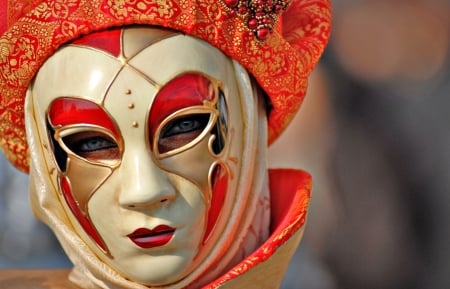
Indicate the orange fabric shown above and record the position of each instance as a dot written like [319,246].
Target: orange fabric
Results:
[34,29]
[290,192]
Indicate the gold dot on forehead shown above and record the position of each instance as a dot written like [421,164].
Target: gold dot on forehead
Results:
[134,124]
[131,105]
[128,91]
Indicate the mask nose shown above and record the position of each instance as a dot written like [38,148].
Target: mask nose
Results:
[144,184]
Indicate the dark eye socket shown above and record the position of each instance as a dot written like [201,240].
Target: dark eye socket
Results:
[92,146]
[185,125]
[181,131]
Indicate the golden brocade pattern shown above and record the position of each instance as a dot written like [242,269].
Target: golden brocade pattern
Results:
[34,29]
[148,8]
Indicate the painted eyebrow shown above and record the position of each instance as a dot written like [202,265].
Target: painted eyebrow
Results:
[186,90]
[69,110]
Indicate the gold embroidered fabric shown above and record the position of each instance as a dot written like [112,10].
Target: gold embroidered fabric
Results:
[31,31]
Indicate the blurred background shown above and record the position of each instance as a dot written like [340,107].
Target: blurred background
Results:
[374,131]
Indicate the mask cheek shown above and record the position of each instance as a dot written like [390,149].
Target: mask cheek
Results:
[193,164]
[208,173]
[80,181]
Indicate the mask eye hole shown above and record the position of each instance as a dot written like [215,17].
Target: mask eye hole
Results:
[182,131]
[92,145]
[82,128]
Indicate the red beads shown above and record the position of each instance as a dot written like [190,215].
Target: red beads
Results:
[278,8]
[253,23]
[260,16]
[231,3]
[242,10]
[262,33]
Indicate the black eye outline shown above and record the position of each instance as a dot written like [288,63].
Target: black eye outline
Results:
[59,153]
[220,130]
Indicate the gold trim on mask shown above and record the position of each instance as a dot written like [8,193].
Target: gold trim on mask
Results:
[181,160]
[87,174]
[213,115]
[63,131]
[198,159]
[84,175]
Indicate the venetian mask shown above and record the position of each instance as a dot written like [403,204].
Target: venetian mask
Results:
[148,137]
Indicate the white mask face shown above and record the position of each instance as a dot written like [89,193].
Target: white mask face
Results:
[148,143]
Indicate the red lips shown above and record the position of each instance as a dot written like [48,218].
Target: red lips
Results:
[146,238]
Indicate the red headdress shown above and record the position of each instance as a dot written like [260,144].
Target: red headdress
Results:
[276,41]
